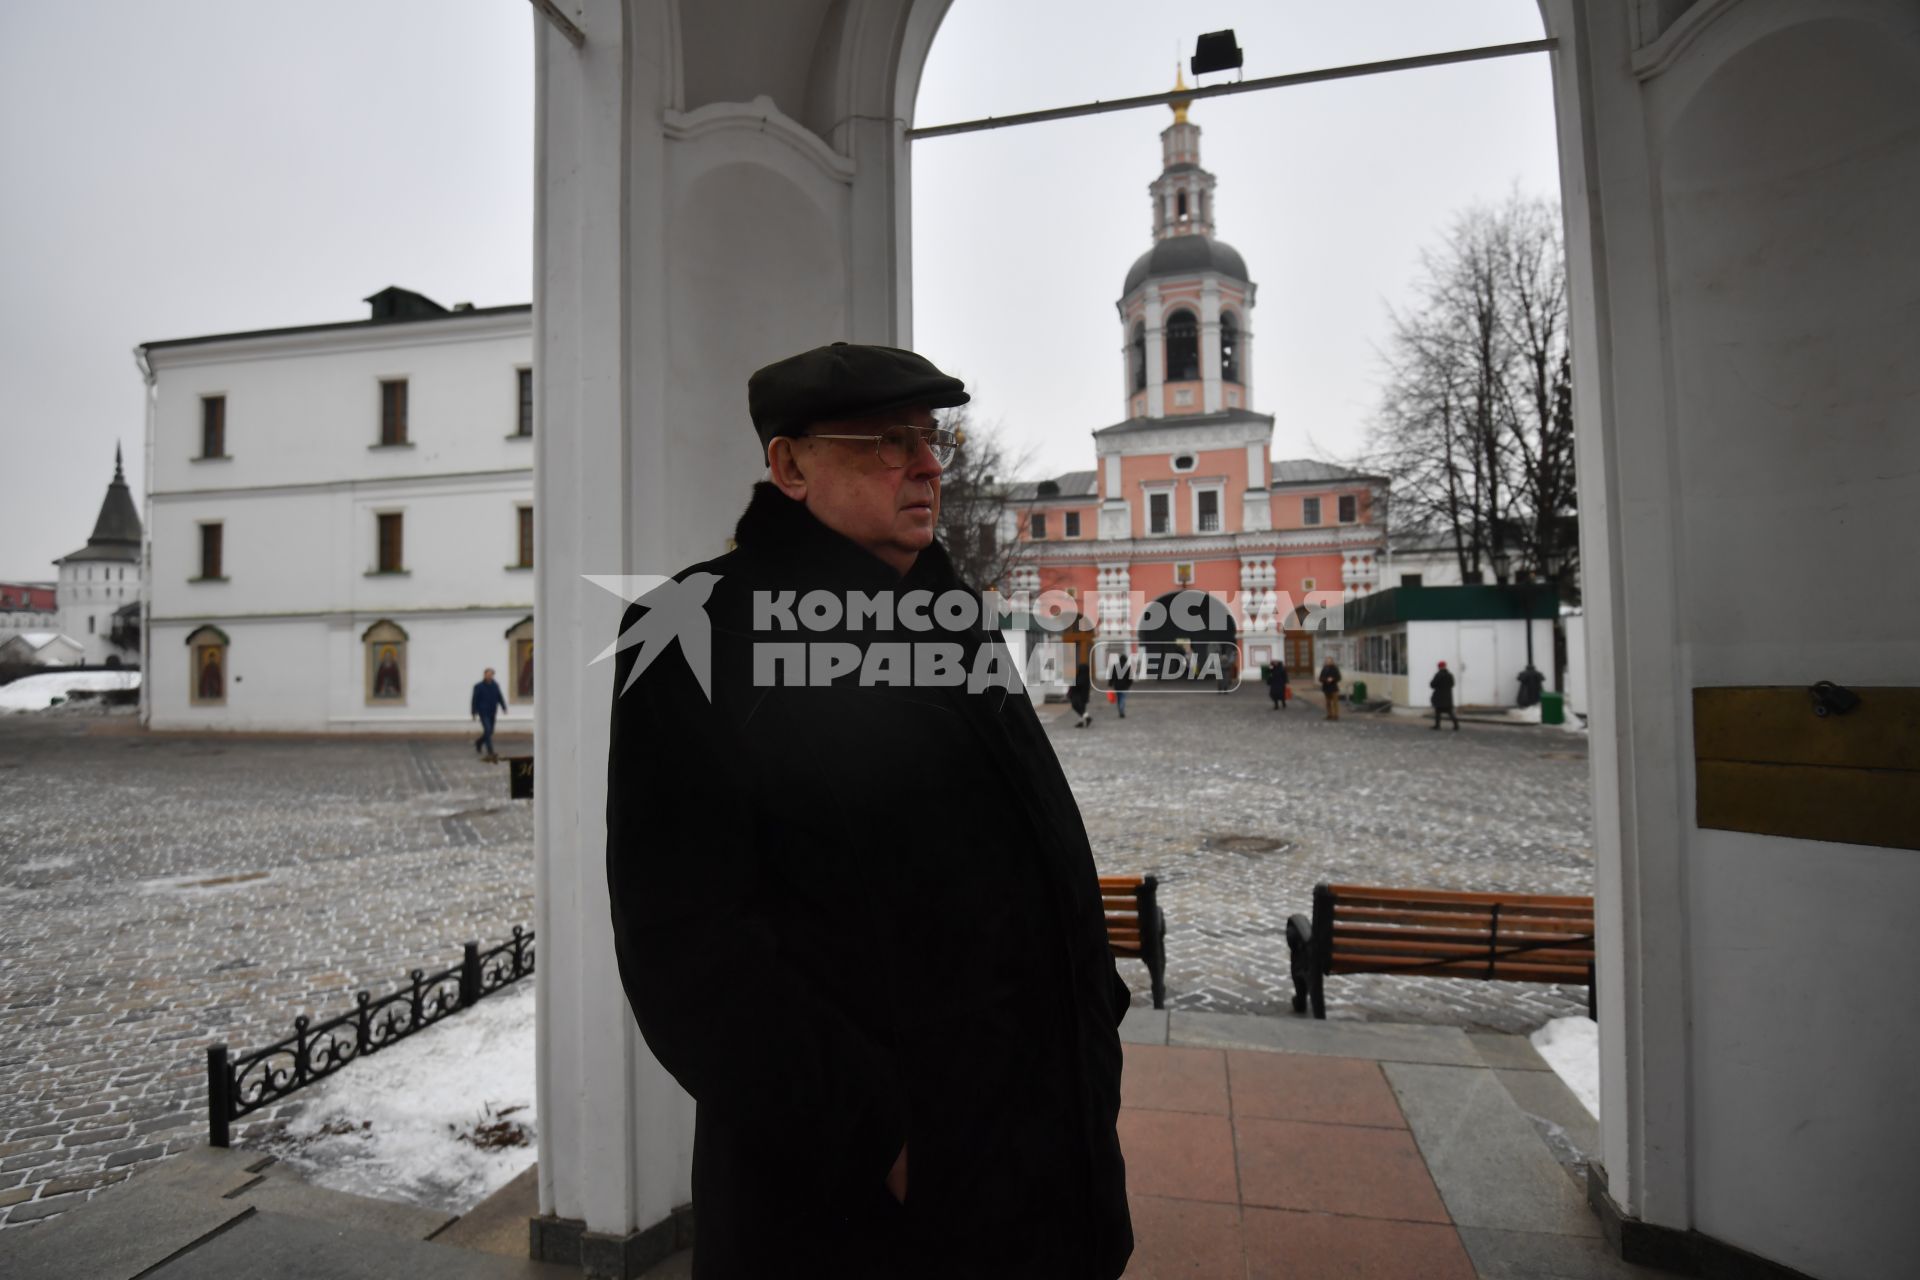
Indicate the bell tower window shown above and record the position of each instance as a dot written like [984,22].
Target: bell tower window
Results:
[1180,206]
[1137,357]
[1183,347]
[1229,348]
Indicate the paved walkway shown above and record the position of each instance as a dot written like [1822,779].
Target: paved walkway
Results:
[162,892]
[1240,810]
[1256,1147]
[159,892]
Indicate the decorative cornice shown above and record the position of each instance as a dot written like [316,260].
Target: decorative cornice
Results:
[439,331]
[435,479]
[1180,437]
[343,617]
[1659,54]
[1220,546]
[762,115]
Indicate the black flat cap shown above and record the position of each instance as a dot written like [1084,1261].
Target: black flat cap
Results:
[845,380]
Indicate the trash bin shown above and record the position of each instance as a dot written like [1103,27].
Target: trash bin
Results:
[1552,707]
[1359,691]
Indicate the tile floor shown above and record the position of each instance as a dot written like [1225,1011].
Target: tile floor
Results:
[1252,1163]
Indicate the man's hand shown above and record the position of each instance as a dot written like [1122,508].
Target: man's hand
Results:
[897,1176]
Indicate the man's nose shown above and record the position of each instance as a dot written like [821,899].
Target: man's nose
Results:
[923,465]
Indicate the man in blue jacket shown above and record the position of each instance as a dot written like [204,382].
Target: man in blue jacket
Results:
[488,702]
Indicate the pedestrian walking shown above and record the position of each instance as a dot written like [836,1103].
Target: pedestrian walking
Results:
[1080,692]
[1330,686]
[1119,682]
[791,933]
[1277,683]
[1442,686]
[488,701]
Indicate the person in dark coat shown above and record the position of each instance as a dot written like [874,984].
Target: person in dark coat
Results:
[487,703]
[1120,680]
[1277,683]
[1080,692]
[1330,687]
[1442,686]
[858,920]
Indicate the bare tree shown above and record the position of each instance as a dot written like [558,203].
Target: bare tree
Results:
[973,501]
[1476,421]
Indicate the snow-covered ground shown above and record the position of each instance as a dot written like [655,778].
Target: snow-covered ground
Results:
[1571,1047]
[402,1124]
[36,693]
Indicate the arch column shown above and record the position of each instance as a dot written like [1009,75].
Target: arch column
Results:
[1156,354]
[1211,398]
[679,246]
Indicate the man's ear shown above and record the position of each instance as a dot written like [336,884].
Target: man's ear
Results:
[783,468]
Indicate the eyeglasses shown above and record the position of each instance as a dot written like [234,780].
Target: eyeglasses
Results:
[897,445]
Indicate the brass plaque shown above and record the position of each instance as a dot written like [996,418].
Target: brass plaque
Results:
[1766,764]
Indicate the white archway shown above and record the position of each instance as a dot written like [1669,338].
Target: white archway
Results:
[670,136]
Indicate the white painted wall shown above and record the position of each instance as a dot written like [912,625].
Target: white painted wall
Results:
[89,591]
[689,229]
[291,674]
[1430,643]
[1790,173]
[298,499]
[1575,678]
[1753,166]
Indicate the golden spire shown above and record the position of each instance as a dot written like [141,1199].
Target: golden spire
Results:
[1180,105]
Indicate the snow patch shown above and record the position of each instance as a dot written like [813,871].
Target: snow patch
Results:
[1571,1047]
[423,1121]
[36,693]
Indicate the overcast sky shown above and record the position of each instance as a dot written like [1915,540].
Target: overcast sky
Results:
[181,167]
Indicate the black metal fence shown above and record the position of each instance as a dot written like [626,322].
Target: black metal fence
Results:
[237,1086]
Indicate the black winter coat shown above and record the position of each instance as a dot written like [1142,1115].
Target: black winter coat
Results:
[1442,686]
[848,918]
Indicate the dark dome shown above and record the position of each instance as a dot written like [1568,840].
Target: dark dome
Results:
[1183,256]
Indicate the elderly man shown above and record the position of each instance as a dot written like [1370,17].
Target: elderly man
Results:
[854,906]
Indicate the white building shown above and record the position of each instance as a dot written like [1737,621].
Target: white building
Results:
[341,520]
[42,649]
[1394,641]
[99,581]
[27,606]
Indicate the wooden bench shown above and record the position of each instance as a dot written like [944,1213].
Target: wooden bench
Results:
[1518,937]
[1136,927]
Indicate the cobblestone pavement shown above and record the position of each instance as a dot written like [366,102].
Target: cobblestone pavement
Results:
[1240,810]
[159,893]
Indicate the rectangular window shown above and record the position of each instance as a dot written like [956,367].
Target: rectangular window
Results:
[213,426]
[1309,511]
[210,550]
[1037,525]
[1073,524]
[1410,579]
[1349,508]
[390,543]
[525,427]
[90,624]
[1159,513]
[1209,511]
[526,537]
[393,411]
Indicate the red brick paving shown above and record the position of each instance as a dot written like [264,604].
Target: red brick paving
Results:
[1246,1165]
